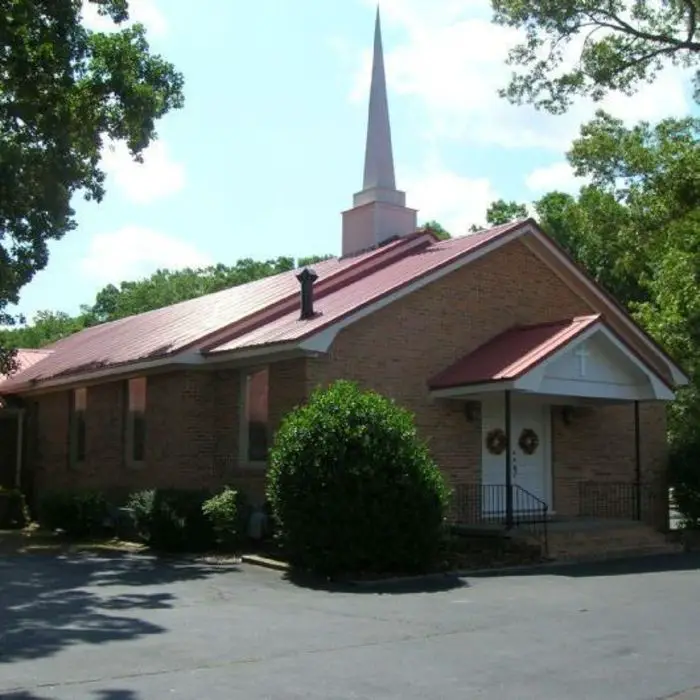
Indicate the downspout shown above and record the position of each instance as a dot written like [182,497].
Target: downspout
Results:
[637,464]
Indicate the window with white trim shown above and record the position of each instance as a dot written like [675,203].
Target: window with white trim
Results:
[255,416]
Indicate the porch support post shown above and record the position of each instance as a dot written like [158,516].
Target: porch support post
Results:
[637,464]
[20,444]
[509,463]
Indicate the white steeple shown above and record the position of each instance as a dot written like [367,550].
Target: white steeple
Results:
[379,211]
[379,158]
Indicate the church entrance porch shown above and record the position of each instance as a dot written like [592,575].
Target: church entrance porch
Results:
[561,407]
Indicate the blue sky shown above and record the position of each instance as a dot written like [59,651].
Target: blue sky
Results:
[268,149]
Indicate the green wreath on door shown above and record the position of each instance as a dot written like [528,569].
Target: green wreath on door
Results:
[528,441]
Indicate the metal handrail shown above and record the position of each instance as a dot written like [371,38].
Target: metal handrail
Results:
[478,504]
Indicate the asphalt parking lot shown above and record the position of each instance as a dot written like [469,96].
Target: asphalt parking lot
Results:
[89,628]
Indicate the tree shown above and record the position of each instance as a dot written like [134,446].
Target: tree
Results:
[47,328]
[65,92]
[438,230]
[623,43]
[502,212]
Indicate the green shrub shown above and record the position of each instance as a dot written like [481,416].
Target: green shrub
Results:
[224,514]
[77,513]
[14,513]
[172,520]
[352,488]
[684,474]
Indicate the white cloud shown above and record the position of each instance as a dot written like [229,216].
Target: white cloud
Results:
[157,177]
[557,176]
[145,12]
[454,201]
[134,252]
[452,59]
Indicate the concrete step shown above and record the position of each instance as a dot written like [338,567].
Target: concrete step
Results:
[634,539]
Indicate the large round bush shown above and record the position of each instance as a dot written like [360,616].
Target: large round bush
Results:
[352,488]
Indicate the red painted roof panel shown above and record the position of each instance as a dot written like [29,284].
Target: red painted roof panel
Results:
[363,290]
[258,313]
[512,353]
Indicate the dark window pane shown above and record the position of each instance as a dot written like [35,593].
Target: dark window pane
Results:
[80,436]
[138,443]
[257,441]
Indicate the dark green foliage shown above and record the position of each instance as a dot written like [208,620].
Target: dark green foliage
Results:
[66,90]
[225,512]
[14,513]
[77,513]
[620,45]
[685,482]
[352,487]
[437,229]
[172,520]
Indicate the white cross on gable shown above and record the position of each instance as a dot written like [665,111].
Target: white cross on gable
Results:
[582,355]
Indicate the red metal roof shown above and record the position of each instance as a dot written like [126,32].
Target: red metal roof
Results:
[512,353]
[258,313]
[25,359]
[336,303]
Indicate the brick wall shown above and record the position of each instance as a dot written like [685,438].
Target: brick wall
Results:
[192,433]
[396,350]
[193,423]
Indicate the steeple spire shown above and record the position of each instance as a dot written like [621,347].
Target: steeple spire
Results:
[379,157]
[379,211]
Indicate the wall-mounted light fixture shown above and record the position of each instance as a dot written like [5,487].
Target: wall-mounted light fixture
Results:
[567,414]
[471,410]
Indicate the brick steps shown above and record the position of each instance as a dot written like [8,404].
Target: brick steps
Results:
[630,539]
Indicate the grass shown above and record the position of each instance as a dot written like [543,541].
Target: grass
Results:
[34,540]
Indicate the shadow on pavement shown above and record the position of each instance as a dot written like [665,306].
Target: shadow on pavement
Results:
[50,603]
[612,567]
[116,694]
[428,584]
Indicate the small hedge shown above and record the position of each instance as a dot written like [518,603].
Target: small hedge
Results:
[226,512]
[14,514]
[77,514]
[684,473]
[173,520]
[353,489]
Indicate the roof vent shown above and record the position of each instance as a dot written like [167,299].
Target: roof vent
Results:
[306,278]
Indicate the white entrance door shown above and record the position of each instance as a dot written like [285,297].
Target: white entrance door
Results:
[530,468]
[529,471]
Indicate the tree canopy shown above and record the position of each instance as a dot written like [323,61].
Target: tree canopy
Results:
[617,45]
[65,92]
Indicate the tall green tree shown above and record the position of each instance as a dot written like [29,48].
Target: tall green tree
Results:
[619,45]
[502,212]
[437,228]
[65,90]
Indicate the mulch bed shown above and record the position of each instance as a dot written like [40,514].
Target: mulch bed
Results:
[32,540]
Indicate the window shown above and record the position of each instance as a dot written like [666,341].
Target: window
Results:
[136,421]
[255,416]
[76,439]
